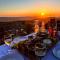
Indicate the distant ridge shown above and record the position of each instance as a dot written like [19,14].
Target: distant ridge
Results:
[26,18]
[9,19]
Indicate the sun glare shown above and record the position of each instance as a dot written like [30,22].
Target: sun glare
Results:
[42,13]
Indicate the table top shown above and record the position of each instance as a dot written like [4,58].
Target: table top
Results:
[49,55]
[6,53]
[5,50]
[56,51]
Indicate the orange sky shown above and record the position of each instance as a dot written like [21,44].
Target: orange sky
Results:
[29,7]
[31,12]
[38,13]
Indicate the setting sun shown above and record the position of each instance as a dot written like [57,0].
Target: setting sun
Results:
[42,13]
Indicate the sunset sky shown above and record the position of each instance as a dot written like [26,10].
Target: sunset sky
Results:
[29,7]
